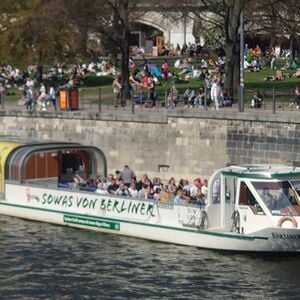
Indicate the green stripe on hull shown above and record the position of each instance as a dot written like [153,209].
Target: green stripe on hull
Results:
[114,220]
[91,222]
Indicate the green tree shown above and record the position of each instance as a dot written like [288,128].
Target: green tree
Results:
[37,32]
[111,21]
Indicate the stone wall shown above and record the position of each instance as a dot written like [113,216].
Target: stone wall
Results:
[183,146]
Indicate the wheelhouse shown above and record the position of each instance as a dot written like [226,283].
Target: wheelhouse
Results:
[259,194]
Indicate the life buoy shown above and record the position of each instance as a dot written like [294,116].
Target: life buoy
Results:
[287,218]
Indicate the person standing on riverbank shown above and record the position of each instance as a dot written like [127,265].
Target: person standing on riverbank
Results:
[117,87]
[297,96]
[216,93]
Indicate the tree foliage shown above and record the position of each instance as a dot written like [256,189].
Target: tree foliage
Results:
[42,31]
[38,31]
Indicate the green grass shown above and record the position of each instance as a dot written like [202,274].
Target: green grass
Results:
[94,87]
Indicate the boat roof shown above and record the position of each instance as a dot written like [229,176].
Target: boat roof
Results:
[262,171]
[13,154]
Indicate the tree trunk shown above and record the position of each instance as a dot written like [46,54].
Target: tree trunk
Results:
[125,66]
[229,67]
[292,49]
[232,47]
[125,51]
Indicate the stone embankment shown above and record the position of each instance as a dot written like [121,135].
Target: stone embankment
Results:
[183,143]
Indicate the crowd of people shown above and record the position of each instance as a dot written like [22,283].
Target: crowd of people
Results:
[39,91]
[146,76]
[39,88]
[125,183]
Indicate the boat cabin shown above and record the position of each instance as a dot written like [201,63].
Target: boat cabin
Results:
[46,163]
[244,198]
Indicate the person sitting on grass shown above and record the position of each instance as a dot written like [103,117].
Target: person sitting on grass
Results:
[188,97]
[296,74]
[278,76]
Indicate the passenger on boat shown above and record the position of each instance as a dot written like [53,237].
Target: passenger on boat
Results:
[204,189]
[164,195]
[149,194]
[268,198]
[101,189]
[195,190]
[157,183]
[180,185]
[118,174]
[109,181]
[179,198]
[186,185]
[122,190]
[144,180]
[171,188]
[133,192]
[142,191]
[182,197]
[127,175]
[113,187]
[157,192]
[78,180]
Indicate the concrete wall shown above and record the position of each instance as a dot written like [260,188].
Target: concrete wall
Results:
[174,32]
[177,144]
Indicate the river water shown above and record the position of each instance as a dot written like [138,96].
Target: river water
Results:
[43,261]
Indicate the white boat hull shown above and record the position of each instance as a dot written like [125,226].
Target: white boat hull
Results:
[142,219]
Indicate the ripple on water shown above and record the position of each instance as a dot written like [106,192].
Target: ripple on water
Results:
[39,260]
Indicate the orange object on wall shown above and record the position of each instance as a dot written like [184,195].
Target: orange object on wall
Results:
[68,99]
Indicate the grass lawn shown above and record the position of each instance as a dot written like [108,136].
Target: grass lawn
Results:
[94,87]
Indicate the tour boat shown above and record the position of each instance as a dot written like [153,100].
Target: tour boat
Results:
[248,207]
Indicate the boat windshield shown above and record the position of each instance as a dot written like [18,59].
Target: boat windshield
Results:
[279,197]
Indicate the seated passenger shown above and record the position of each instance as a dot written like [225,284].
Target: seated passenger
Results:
[133,192]
[182,197]
[78,180]
[179,198]
[204,189]
[149,194]
[172,187]
[144,181]
[122,190]
[195,190]
[113,186]
[101,189]
[157,193]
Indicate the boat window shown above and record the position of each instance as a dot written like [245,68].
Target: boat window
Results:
[296,185]
[216,189]
[247,198]
[230,189]
[279,197]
